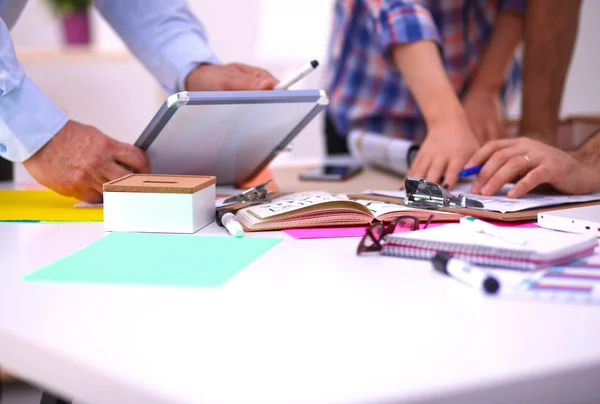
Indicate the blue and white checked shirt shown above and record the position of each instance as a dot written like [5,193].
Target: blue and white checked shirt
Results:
[369,93]
[163,34]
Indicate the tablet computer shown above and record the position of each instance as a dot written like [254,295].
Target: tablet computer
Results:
[232,135]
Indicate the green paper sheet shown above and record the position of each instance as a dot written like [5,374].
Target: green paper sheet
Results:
[157,259]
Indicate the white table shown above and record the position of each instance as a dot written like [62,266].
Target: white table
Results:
[308,322]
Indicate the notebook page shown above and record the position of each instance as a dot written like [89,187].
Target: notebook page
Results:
[546,244]
[294,202]
[381,209]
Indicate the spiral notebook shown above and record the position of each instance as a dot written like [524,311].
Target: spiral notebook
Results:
[544,247]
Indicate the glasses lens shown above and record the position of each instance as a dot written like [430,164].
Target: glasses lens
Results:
[370,242]
[401,225]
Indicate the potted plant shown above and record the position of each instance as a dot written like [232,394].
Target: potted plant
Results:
[75,19]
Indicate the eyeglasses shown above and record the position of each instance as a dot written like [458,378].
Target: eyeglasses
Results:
[372,240]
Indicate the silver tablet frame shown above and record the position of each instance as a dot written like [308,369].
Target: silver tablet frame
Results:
[181,100]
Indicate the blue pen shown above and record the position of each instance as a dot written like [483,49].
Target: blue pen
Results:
[470,171]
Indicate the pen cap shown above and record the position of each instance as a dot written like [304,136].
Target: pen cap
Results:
[440,261]
[220,214]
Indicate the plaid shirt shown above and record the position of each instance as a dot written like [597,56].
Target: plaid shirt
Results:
[369,93]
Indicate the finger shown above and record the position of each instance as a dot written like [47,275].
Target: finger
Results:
[493,164]
[246,82]
[113,171]
[267,84]
[420,166]
[484,152]
[436,169]
[86,189]
[133,158]
[89,195]
[451,176]
[510,170]
[534,178]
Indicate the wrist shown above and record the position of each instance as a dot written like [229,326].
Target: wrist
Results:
[443,110]
[193,78]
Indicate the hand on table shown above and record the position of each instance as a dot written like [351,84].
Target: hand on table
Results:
[484,112]
[445,150]
[80,158]
[230,77]
[534,163]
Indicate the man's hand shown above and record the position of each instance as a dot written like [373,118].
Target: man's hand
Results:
[80,158]
[484,112]
[230,77]
[535,163]
[445,150]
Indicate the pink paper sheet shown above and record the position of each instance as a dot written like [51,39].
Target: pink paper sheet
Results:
[341,232]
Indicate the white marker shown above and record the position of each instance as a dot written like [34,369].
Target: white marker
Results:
[466,273]
[483,227]
[227,219]
[300,74]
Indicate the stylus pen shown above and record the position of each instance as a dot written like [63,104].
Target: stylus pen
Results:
[299,75]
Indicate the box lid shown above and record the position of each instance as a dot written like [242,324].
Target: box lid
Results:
[160,184]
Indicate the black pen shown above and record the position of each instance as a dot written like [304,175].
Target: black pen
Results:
[465,272]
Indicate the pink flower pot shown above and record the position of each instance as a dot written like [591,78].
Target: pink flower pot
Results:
[76,28]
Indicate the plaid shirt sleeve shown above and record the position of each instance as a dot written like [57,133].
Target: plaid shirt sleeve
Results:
[401,21]
[517,6]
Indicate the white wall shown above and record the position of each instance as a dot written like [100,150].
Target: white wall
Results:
[279,35]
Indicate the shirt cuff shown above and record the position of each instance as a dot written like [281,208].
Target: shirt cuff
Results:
[185,53]
[518,6]
[405,24]
[28,120]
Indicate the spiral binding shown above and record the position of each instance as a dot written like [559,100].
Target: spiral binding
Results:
[476,254]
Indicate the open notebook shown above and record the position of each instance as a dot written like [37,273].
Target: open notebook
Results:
[544,247]
[322,209]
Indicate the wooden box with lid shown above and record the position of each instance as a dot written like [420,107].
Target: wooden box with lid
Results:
[159,203]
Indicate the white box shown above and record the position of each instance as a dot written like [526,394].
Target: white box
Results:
[159,203]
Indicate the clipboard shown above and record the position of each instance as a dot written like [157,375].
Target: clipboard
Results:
[429,195]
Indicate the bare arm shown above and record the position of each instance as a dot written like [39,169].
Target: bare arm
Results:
[450,141]
[589,152]
[422,70]
[482,101]
[550,31]
[507,33]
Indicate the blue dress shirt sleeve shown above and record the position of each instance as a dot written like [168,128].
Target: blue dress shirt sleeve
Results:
[163,34]
[28,119]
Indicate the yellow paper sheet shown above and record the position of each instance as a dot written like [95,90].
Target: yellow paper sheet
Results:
[44,205]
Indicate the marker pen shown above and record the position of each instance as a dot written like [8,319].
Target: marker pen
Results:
[466,273]
[300,74]
[481,226]
[228,220]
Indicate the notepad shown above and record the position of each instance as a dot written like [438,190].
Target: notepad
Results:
[44,205]
[544,248]
[322,209]
[157,259]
